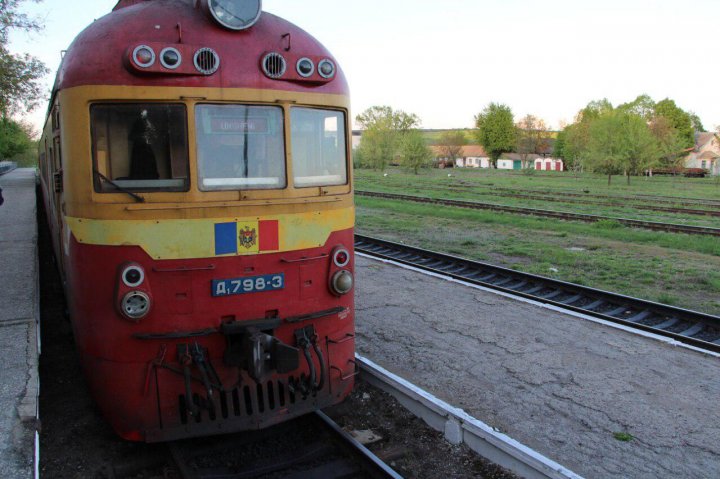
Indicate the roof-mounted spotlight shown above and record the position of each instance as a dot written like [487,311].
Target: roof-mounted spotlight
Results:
[235,14]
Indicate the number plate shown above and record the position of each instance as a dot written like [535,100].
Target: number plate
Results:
[252,284]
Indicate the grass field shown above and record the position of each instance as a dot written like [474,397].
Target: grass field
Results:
[682,270]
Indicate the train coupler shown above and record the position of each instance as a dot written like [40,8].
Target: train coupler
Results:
[259,353]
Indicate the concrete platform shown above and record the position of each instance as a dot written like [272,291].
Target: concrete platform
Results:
[19,326]
[561,385]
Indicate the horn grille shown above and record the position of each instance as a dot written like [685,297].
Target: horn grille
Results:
[206,61]
[274,65]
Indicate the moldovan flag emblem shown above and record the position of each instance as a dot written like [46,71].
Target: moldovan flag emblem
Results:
[247,237]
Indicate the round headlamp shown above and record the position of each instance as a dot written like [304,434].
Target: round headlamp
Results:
[235,14]
[143,56]
[326,69]
[305,67]
[170,58]
[342,282]
[133,276]
[135,305]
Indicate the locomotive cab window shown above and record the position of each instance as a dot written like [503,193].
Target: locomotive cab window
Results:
[318,147]
[140,147]
[240,147]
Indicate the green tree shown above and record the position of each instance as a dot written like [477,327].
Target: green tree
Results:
[496,131]
[679,120]
[620,141]
[20,75]
[670,144]
[451,144]
[594,110]
[696,122]
[15,138]
[559,146]
[384,129]
[605,145]
[643,106]
[414,152]
[641,148]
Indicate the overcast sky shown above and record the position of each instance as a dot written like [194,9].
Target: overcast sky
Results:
[446,60]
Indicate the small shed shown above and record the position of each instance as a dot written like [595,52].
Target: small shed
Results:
[549,164]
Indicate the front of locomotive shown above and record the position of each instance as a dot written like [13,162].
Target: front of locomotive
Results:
[207,237]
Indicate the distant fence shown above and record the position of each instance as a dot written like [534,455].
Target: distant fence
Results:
[6,166]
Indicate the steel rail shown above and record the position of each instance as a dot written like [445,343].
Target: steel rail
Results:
[672,200]
[651,225]
[697,329]
[559,199]
[333,454]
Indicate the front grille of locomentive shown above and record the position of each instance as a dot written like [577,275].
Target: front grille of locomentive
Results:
[207,61]
[248,400]
[274,65]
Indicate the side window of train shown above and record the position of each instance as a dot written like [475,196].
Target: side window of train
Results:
[318,147]
[240,147]
[142,147]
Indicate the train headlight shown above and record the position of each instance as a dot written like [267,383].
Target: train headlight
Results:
[143,56]
[305,67]
[170,58]
[235,14]
[326,69]
[133,276]
[342,282]
[135,305]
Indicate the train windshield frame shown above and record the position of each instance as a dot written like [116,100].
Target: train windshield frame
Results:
[319,147]
[240,147]
[140,147]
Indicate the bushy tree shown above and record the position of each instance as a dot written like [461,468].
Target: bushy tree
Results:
[496,130]
[414,152]
[643,106]
[679,120]
[383,132]
[670,145]
[641,147]
[15,138]
[696,122]
[20,75]
[620,141]
[451,144]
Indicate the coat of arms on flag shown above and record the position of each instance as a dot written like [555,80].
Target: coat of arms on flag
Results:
[248,237]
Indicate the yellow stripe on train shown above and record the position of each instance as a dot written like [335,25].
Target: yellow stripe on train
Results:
[185,239]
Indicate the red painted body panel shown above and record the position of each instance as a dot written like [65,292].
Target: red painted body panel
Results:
[96,56]
[120,368]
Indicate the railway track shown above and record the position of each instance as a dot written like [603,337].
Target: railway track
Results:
[612,203]
[682,201]
[690,327]
[563,215]
[309,447]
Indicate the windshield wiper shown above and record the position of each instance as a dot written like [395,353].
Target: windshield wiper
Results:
[104,178]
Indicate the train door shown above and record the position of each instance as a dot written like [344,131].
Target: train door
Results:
[57,186]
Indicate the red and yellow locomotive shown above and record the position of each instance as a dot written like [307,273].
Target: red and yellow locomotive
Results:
[197,177]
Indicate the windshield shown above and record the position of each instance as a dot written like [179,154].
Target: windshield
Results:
[140,147]
[240,147]
[319,148]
